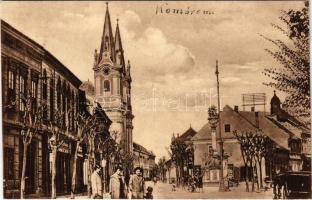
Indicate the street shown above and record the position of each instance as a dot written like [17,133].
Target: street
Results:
[163,191]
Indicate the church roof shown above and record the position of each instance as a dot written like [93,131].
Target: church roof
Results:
[107,42]
[118,48]
[118,44]
[275,99]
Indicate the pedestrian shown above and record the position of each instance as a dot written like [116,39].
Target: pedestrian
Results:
[137,184]
[149,193]
[96,183]
[117,186]
[155,180]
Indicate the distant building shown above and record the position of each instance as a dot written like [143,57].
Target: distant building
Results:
[145,159]
[291,138]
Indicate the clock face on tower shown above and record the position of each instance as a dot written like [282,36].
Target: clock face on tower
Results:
[106,71]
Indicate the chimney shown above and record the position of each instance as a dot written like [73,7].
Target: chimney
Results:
[236,108]
[252,109]
[257,119]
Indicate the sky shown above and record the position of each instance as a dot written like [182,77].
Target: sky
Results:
[173,56]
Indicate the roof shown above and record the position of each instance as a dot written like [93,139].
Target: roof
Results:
[47,55]
[247,121]
[275,99]
[228,116]
[88,87]
[101,114]
[141,149]
[188,134]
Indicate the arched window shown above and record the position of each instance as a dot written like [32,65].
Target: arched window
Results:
[106,86]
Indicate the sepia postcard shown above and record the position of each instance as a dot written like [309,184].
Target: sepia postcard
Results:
[155,100]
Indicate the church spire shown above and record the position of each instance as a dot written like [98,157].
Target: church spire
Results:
[118,45]
[118,48]
[128,75]
[107,43]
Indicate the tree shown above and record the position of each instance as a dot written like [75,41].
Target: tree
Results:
[162,167]
[254,147]
[90,135]
[247,153]
[84,125]
[59,133]
[179,156]
[293,75]
[31,122]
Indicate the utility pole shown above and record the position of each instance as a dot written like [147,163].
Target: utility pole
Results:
[221,185]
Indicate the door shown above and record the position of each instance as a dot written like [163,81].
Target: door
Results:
[31,168]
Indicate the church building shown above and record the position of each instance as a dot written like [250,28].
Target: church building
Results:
[113,83]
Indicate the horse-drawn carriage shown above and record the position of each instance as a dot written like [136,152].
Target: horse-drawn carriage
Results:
[292,185]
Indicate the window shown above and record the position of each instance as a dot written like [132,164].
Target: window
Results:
[52,99]
[106,86]
[59,88]
[11,80]
[118,87]
[44,86]
[45,95]
[227,128]
[106,43]
[11,87]
[22,89]
[214,175]
[8,163]
[33,89]
[34,96]
[73,115]
[210,150]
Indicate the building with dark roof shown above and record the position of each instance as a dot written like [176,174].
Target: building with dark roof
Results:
[145,159]
[290,136]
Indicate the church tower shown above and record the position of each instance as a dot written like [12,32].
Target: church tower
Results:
[113,84]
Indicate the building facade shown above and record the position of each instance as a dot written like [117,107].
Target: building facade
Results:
[28,68]
[113,84]
[145,159]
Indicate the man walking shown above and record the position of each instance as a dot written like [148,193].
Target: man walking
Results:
[137,184]
[96,183]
